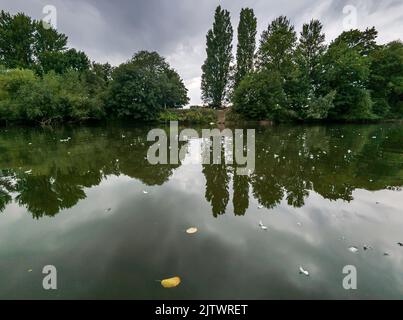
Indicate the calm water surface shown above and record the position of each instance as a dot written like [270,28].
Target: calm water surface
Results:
[113,224]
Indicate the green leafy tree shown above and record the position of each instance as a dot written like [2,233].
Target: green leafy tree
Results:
[362,41]
[48,39]
[386,80]
[277,46]
[98,78]
[16,40]
[144,86]
[307,81]
[63,61]
[276,54]
[261,96]
[347,72]
[246,44]
[25,43]
[216,68]
[310,51]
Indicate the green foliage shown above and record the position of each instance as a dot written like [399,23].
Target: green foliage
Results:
[261,96]
[144,86]
[277,47]
[53,97]
[41,80]
[26,43]
[386,80]
[347,72]
[246,44]
[276,56]
[317,108]
[11,82]
[16,40]
[199,115]
[362,41]
[309,53]
[98,77]
[48,39]
[305,82]
[353,79]
[63,61]
[216,67]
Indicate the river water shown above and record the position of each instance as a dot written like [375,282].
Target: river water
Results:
[87,201]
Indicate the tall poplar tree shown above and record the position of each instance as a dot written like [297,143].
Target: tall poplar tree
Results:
[246,44]
[216,68]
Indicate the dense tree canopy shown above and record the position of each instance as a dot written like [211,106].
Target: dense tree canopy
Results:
[386,79]
[352,79]
[277,46]
[44,81]
[144,86]
[16,40]
[25,96]
[261,96]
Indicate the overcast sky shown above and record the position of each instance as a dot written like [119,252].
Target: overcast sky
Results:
[111,31]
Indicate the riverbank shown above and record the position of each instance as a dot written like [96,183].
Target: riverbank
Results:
[198,116]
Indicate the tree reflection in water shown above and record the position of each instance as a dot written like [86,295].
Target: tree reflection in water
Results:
[45,175]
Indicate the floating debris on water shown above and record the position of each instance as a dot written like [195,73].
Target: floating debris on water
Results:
[262,226]
[366,247]
[191,230]
[65,140]
[400,244]
[303,271]
[145,192]
[171,282]
[353,249]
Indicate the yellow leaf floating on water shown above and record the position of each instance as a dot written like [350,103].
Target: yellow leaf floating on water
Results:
[191,230]
[171,282]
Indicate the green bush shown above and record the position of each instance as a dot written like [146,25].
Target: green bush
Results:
[201,115]
[260,96]
[53,97]
[318,107]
